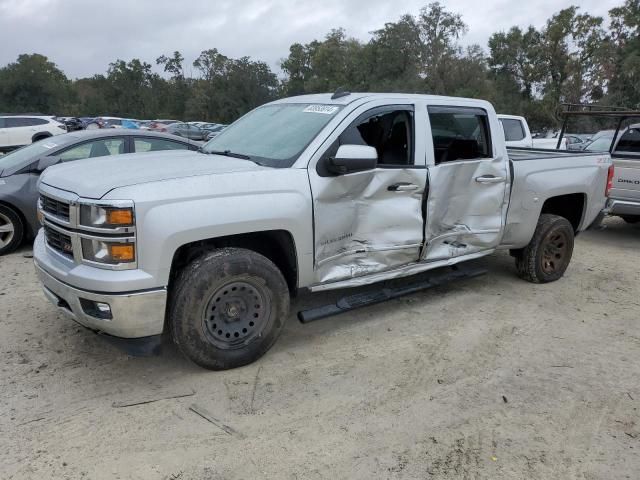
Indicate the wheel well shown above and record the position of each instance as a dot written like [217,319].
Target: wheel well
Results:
[569,206]
[40,136]
[277,245]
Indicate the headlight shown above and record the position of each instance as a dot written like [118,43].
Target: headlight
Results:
[106,217]
[107,252]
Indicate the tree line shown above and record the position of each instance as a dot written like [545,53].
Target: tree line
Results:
[575,58]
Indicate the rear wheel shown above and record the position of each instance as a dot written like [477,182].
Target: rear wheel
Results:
[549,252]
[11,230]
[228,309]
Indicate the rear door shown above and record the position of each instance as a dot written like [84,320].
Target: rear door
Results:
[626,161]
[468,183]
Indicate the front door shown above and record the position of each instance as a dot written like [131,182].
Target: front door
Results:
[370,221]
[468,184]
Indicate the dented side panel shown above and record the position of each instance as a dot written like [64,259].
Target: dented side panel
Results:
[362,227]
[464,216]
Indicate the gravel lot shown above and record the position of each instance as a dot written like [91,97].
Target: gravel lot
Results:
[489,378]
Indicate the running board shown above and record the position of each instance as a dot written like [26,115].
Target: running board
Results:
[364,299]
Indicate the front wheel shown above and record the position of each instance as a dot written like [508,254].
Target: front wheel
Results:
[548,254]
[11,230]
[229,307]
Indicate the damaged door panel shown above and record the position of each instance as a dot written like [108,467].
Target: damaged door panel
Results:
[468,185]
[371,221]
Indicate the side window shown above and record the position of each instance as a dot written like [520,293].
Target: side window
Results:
[513,130]
[630,141]
[97,148]
[389,132]
[459,133]
[150,144]
[2,123]
[16,122]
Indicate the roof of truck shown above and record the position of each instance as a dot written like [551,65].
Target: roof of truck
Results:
[346,99]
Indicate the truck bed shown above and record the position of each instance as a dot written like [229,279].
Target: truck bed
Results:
[517,154]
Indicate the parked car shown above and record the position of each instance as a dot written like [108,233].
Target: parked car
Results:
[166,122]
[21,169]
[624,200]
[185,130]
[104,122]
[314,192]
[215,131]
[19,130]
[73,124]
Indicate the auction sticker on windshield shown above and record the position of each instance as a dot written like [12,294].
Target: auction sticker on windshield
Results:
[326,109]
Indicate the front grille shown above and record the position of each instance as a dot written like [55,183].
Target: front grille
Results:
[59,241]
[55,207]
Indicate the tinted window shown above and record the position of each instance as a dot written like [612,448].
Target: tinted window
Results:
[390,133]
[630,141]
[459,133]
[156,144]
[2,123]
[513,130]
[97,148]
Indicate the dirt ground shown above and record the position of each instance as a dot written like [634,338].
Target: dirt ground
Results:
[488,378]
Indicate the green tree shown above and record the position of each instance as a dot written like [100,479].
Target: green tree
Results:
[34,84]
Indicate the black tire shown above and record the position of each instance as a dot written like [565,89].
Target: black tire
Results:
[240,331]
[11,230]
[548,254]
[631,218]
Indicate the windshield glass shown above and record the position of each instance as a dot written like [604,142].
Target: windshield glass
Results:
[602,144]
[274,135]
[23,156]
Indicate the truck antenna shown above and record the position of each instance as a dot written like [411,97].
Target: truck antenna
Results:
[340,92]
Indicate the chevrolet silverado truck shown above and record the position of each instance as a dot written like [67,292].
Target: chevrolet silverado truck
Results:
[314,192]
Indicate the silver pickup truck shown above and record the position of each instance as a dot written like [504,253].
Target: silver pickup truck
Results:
[313,192]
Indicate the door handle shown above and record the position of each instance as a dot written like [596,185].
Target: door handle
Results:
[402,187]
[489,179]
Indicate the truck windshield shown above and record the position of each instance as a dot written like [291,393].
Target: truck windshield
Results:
[273,135]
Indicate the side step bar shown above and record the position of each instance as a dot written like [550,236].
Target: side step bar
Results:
[364,299]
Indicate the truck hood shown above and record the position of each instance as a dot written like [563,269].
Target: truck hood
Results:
[95,177]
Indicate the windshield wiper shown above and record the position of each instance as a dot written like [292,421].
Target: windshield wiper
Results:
[227,153]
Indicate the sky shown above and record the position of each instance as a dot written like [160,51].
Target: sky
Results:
[83,36]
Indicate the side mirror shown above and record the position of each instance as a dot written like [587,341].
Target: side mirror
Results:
[353,158]
[46,162]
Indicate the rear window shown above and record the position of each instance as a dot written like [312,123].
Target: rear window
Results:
[513,130]
[630,141]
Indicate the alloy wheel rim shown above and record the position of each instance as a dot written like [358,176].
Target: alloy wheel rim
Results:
[7,230]
[236,314]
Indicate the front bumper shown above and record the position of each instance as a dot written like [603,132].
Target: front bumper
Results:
[623,207]
[134,314]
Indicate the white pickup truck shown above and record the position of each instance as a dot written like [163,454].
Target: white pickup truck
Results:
[313,192]
[517,134]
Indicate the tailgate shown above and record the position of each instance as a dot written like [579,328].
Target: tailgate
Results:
[626,179]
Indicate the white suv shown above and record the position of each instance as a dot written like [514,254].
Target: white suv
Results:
[19,130]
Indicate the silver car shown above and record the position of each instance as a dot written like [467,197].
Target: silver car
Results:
[20,171]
